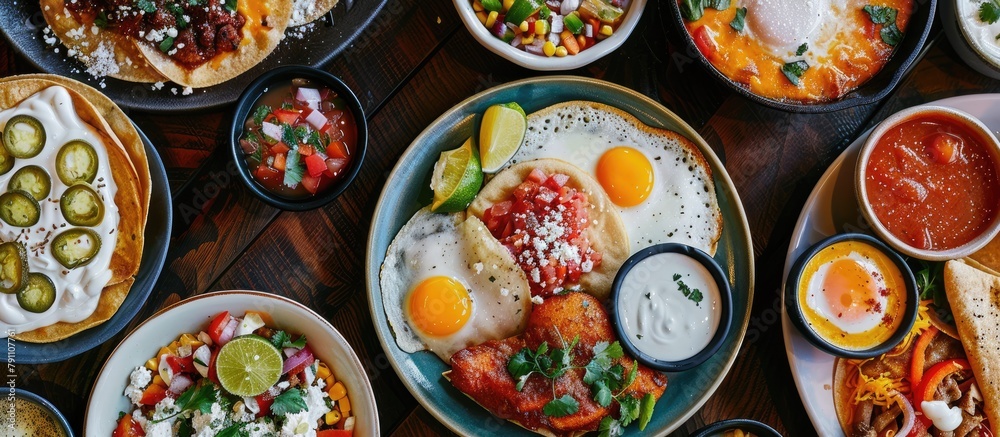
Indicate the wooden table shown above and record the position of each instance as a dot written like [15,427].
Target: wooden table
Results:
[415,61]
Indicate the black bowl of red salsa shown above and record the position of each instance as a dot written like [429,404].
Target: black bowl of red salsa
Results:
[298,137]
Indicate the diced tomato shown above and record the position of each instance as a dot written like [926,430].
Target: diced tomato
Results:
[703,40]
[306,150]
[280,148]
[315,165]
[335,165]
[537,176]
[264,401]
[279,162]
[268,177]
[153,394]
[218,324]
[128,427]
[335,433]
[336,149]
[310,183]
[212,374]
[324,93]
[181,364]
[286,115]
[528,188]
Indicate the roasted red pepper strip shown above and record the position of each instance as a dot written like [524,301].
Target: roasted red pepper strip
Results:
[920,355]
[933,377]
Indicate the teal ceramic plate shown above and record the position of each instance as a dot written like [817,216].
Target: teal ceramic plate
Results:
[406,191]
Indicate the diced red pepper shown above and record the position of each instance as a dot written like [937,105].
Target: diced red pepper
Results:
[279,162]
[280,148]
[315,165]
[920,355]
[336,149]
[153,394]
[335,433]
[128,427]
[218,324]
[264,401]
[306,150]
[181,364]
[286,115]
[703,40]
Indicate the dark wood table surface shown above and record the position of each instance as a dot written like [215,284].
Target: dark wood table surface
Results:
[415,61]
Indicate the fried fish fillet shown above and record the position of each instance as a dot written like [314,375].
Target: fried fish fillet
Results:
[481,371]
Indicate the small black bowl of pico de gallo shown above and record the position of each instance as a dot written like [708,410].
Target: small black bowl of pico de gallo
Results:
[298,137]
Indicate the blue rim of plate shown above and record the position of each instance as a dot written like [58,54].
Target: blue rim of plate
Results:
[405,192]
[159,220]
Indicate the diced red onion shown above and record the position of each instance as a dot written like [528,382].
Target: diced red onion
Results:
[335,165]
[499,30]
[534,49]
[516,41]
[568,6]
[588,30]
[272,130]
[553,4]
[909,417]
[248,147]
[516,28]
[556,27]
[229,331]
[289,351]
[316,119]
[179,383]
[303,356]
[310,96]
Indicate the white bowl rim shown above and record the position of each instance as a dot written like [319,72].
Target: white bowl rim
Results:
[369,397]
[861,194]
[546,63]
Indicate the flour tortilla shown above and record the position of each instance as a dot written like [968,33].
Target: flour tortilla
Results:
[317,9]
[606,230]
[89,45]
[974,296]
[270,17]
[132,201]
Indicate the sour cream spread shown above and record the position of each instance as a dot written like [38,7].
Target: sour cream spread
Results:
[669,306]
[945,419]
[78,290]
[980,34]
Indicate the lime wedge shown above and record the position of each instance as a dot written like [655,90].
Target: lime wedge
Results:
[457,178]
[501,134]
[248,365]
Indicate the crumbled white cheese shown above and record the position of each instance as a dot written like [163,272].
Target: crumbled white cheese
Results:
[537,300]
[138,381]
[187,91]
[478,267]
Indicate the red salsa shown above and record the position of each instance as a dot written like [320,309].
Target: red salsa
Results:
[932,182]
[543,227]
[299,139]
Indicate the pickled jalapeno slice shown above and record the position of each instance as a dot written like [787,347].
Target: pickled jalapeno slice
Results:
[38,295]
[6,160]
[19,208]
[34,180]
[13,267]
[23,136]
[76,162]
[75,247]
[82,206]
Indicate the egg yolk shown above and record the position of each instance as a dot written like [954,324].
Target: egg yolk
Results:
[849,289]
[626,175]
[439,306]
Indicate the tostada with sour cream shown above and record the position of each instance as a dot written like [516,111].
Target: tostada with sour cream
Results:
[72,210]
[507,282]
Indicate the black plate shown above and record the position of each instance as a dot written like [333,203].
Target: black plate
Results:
[909,50]
[157,234]
[21,22]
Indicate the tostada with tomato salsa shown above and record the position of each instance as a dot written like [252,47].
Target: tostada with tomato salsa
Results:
[941,380]
[241,376]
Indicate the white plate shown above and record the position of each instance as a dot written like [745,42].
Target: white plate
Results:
[831,209]
[193,315]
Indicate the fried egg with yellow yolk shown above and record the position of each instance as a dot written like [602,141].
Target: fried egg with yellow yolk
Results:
[659,181]
[852,294]
[448,284]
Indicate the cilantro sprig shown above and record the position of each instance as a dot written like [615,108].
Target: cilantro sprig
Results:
[281,340]
[989,11]
[290,402]
[607,380]
[885,16]
[692,10]
[930,285]
[739,21]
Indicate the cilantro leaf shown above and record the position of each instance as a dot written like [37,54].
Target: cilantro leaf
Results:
[604,352]
[794,70]
[676,276]
[891,34]
[696,296]
[260,113]
[288,135]
[522,363]
[314,141]
[198,397]
[989,11]
[739,21]
[593,372]
[719,5]
[294,169]
[802,49]
[609,427]
[629,409]
[289,402]
[166,44]
[632,374]
[881,14]
[301,133]
[185,429]
[231,5]
[101,20]
[692,10]
[279,338]
[602,394]
[299,343]
[560,407]
[146,5]
[646,410]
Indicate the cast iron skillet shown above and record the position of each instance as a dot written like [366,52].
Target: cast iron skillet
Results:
[909,50]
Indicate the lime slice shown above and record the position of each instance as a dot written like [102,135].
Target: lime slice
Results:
[457,178]
[501,134]
[248,365]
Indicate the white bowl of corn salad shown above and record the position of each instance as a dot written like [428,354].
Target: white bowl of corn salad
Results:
[174,373]
[550,35]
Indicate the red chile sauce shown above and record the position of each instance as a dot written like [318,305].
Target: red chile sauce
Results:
[932,183]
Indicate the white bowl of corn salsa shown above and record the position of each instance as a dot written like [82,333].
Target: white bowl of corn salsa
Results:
[179,372]
[550,35]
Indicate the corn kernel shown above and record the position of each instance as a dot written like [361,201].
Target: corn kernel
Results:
[548,48]
[173,346]
[491,18]
[523,26]
[345,405]
[332,417]
[186,339]
[528,39]
[540,27]
[477,6]
[164,351]
[337,391]
[330,380]
[153,364]
[561,52]
[606,30]
[157,380]
[507,4]
[482,17]
[322,372]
